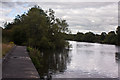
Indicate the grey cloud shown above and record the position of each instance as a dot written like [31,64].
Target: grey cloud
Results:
[82,16]
[60,0]
[8,4]
[15,4]
[73,5]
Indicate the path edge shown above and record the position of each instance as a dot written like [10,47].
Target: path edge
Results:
[5,58]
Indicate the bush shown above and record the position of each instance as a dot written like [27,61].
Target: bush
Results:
[11,42]
[29,49]
[35,56]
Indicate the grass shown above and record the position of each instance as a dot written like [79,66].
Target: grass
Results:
[36,57]
[6,47]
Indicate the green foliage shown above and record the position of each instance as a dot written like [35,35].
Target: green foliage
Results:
[38,29]
[70,36]
[118,35]
[102,37]
[79,37]
[18,35]
[6,36]
[35,56]
[110,38]
[29,49]
[44,43]
[89,37]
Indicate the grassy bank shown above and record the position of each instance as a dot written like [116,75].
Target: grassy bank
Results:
[6,47]
[35,56]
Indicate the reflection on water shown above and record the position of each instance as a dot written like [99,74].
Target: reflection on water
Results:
[83,60]
[53,62]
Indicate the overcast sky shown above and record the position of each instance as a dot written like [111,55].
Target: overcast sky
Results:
[81,16]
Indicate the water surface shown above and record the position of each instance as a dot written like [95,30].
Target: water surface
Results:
[83,60]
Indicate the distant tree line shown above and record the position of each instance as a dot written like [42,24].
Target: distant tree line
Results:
[37,28]
[113,37]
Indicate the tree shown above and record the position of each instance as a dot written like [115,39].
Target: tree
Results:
[39,29]
[102,37]
[79,36]
[111,38]
[118,35]
[89,37]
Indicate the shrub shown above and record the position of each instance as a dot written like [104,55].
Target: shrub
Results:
[29,49]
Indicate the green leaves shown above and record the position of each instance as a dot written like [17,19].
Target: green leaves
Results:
[118,35]
[38,29]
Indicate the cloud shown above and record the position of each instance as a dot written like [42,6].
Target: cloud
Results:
[9,10]
[81,16]
[61,0]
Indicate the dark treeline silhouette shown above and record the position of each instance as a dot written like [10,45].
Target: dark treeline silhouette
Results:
[113,37]
[37,28]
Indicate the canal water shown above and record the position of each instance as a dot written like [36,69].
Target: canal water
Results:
[83,60]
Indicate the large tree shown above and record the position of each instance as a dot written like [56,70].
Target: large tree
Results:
[89,37]
[110,38]
[38,28]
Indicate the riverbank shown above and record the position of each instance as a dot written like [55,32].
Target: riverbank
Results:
[95,42]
